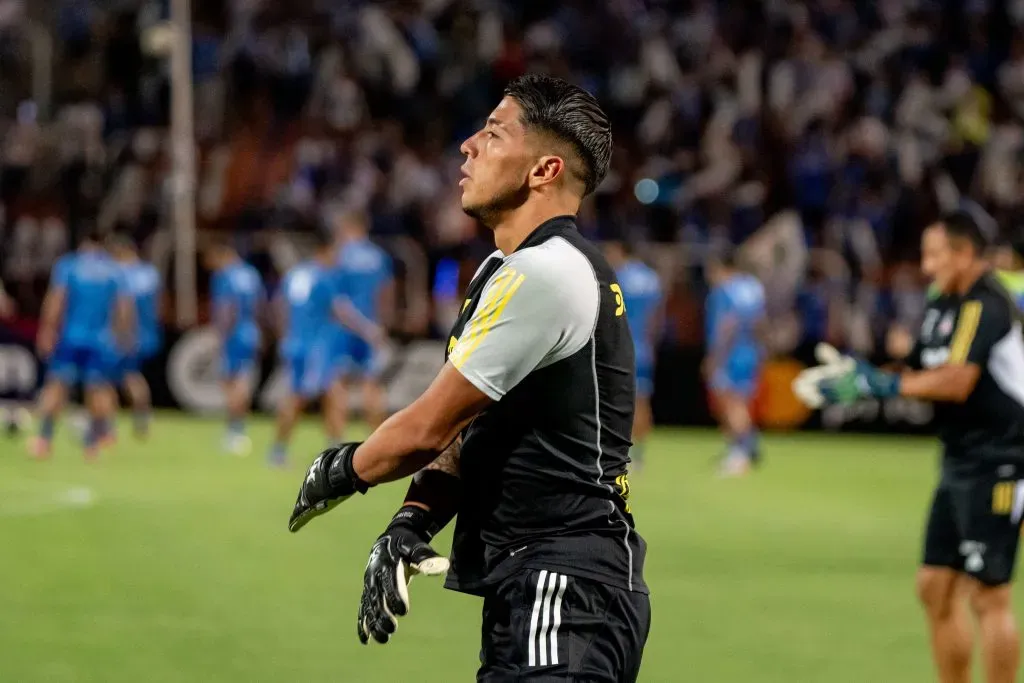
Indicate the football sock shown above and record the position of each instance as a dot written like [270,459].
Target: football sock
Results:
[142,416]
[236,426]
[93,433]
[46,427]
[749,443]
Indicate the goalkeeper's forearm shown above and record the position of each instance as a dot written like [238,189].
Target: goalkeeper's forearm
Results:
[944,383]
[437,488]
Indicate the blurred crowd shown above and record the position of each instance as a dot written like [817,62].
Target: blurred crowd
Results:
[817,137]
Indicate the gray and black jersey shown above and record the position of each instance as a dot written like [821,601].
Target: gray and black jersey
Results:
[981,327]
[543,332]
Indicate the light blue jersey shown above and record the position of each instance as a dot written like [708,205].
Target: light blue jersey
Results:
[143,280]
[92,284]
[734,311]
[364,271]
[312,296]
[238,294]
[642,295]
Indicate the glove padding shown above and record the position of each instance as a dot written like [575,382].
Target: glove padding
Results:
[330,480]
[833,364]
[842,379]
[863,381]
[400,553]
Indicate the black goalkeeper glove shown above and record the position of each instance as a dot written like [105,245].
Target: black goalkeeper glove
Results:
[330,480]
[400,553]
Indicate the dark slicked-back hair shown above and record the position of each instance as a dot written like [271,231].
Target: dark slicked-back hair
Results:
[962,225]
[569,113]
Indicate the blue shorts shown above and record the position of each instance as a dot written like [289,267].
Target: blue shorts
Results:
[131,364]
[741,382]
[644,378]
[237,360]
[71,365]
[359,358]
[128,365]
[312,372]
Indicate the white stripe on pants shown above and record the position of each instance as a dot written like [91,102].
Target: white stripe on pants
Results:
[546,618]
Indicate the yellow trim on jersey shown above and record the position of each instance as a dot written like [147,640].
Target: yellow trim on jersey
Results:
[966,329]
[1002,497]
[483,321]
[620,302]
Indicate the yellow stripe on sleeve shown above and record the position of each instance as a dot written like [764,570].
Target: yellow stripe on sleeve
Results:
[487,322]
[497,288]
[966,329]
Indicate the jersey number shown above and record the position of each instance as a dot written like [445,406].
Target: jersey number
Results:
[620,303]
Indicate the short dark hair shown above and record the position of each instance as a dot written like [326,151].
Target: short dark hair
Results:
[961,224]
[725,257]
[119,240]
[91,234]
[571,114]
[322,239]
[218,243]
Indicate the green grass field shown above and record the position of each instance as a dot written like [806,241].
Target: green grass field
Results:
[168,561]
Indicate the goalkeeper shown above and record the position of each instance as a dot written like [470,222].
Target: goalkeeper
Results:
[969,361]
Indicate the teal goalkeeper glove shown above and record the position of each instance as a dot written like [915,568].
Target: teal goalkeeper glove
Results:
[863,380]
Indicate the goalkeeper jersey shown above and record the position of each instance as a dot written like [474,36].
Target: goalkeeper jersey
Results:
[982,327]
[543,332]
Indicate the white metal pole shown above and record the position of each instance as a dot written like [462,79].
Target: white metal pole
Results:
[183,205]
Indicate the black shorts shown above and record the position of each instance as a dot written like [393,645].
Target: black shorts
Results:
[974,526]
[544,626]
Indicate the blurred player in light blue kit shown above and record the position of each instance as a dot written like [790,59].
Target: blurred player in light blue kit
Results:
[365,276]
[87,313]
[309,305]
[238,296]
[643,300]
[144,286]
[734,315]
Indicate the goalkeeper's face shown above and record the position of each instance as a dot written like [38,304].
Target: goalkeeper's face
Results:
[940,260]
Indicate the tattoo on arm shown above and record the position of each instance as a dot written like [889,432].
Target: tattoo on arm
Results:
[449,460]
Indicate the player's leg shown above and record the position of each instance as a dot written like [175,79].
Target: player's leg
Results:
[738,426]
[289,410]
[943,590]
[334,409]
[363,366]
[997,628]
[643,417]
[139,396]
[238,367]
[51,401]
[943,593]
[101,405]
[996,506]
[63,372]
[374,401]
